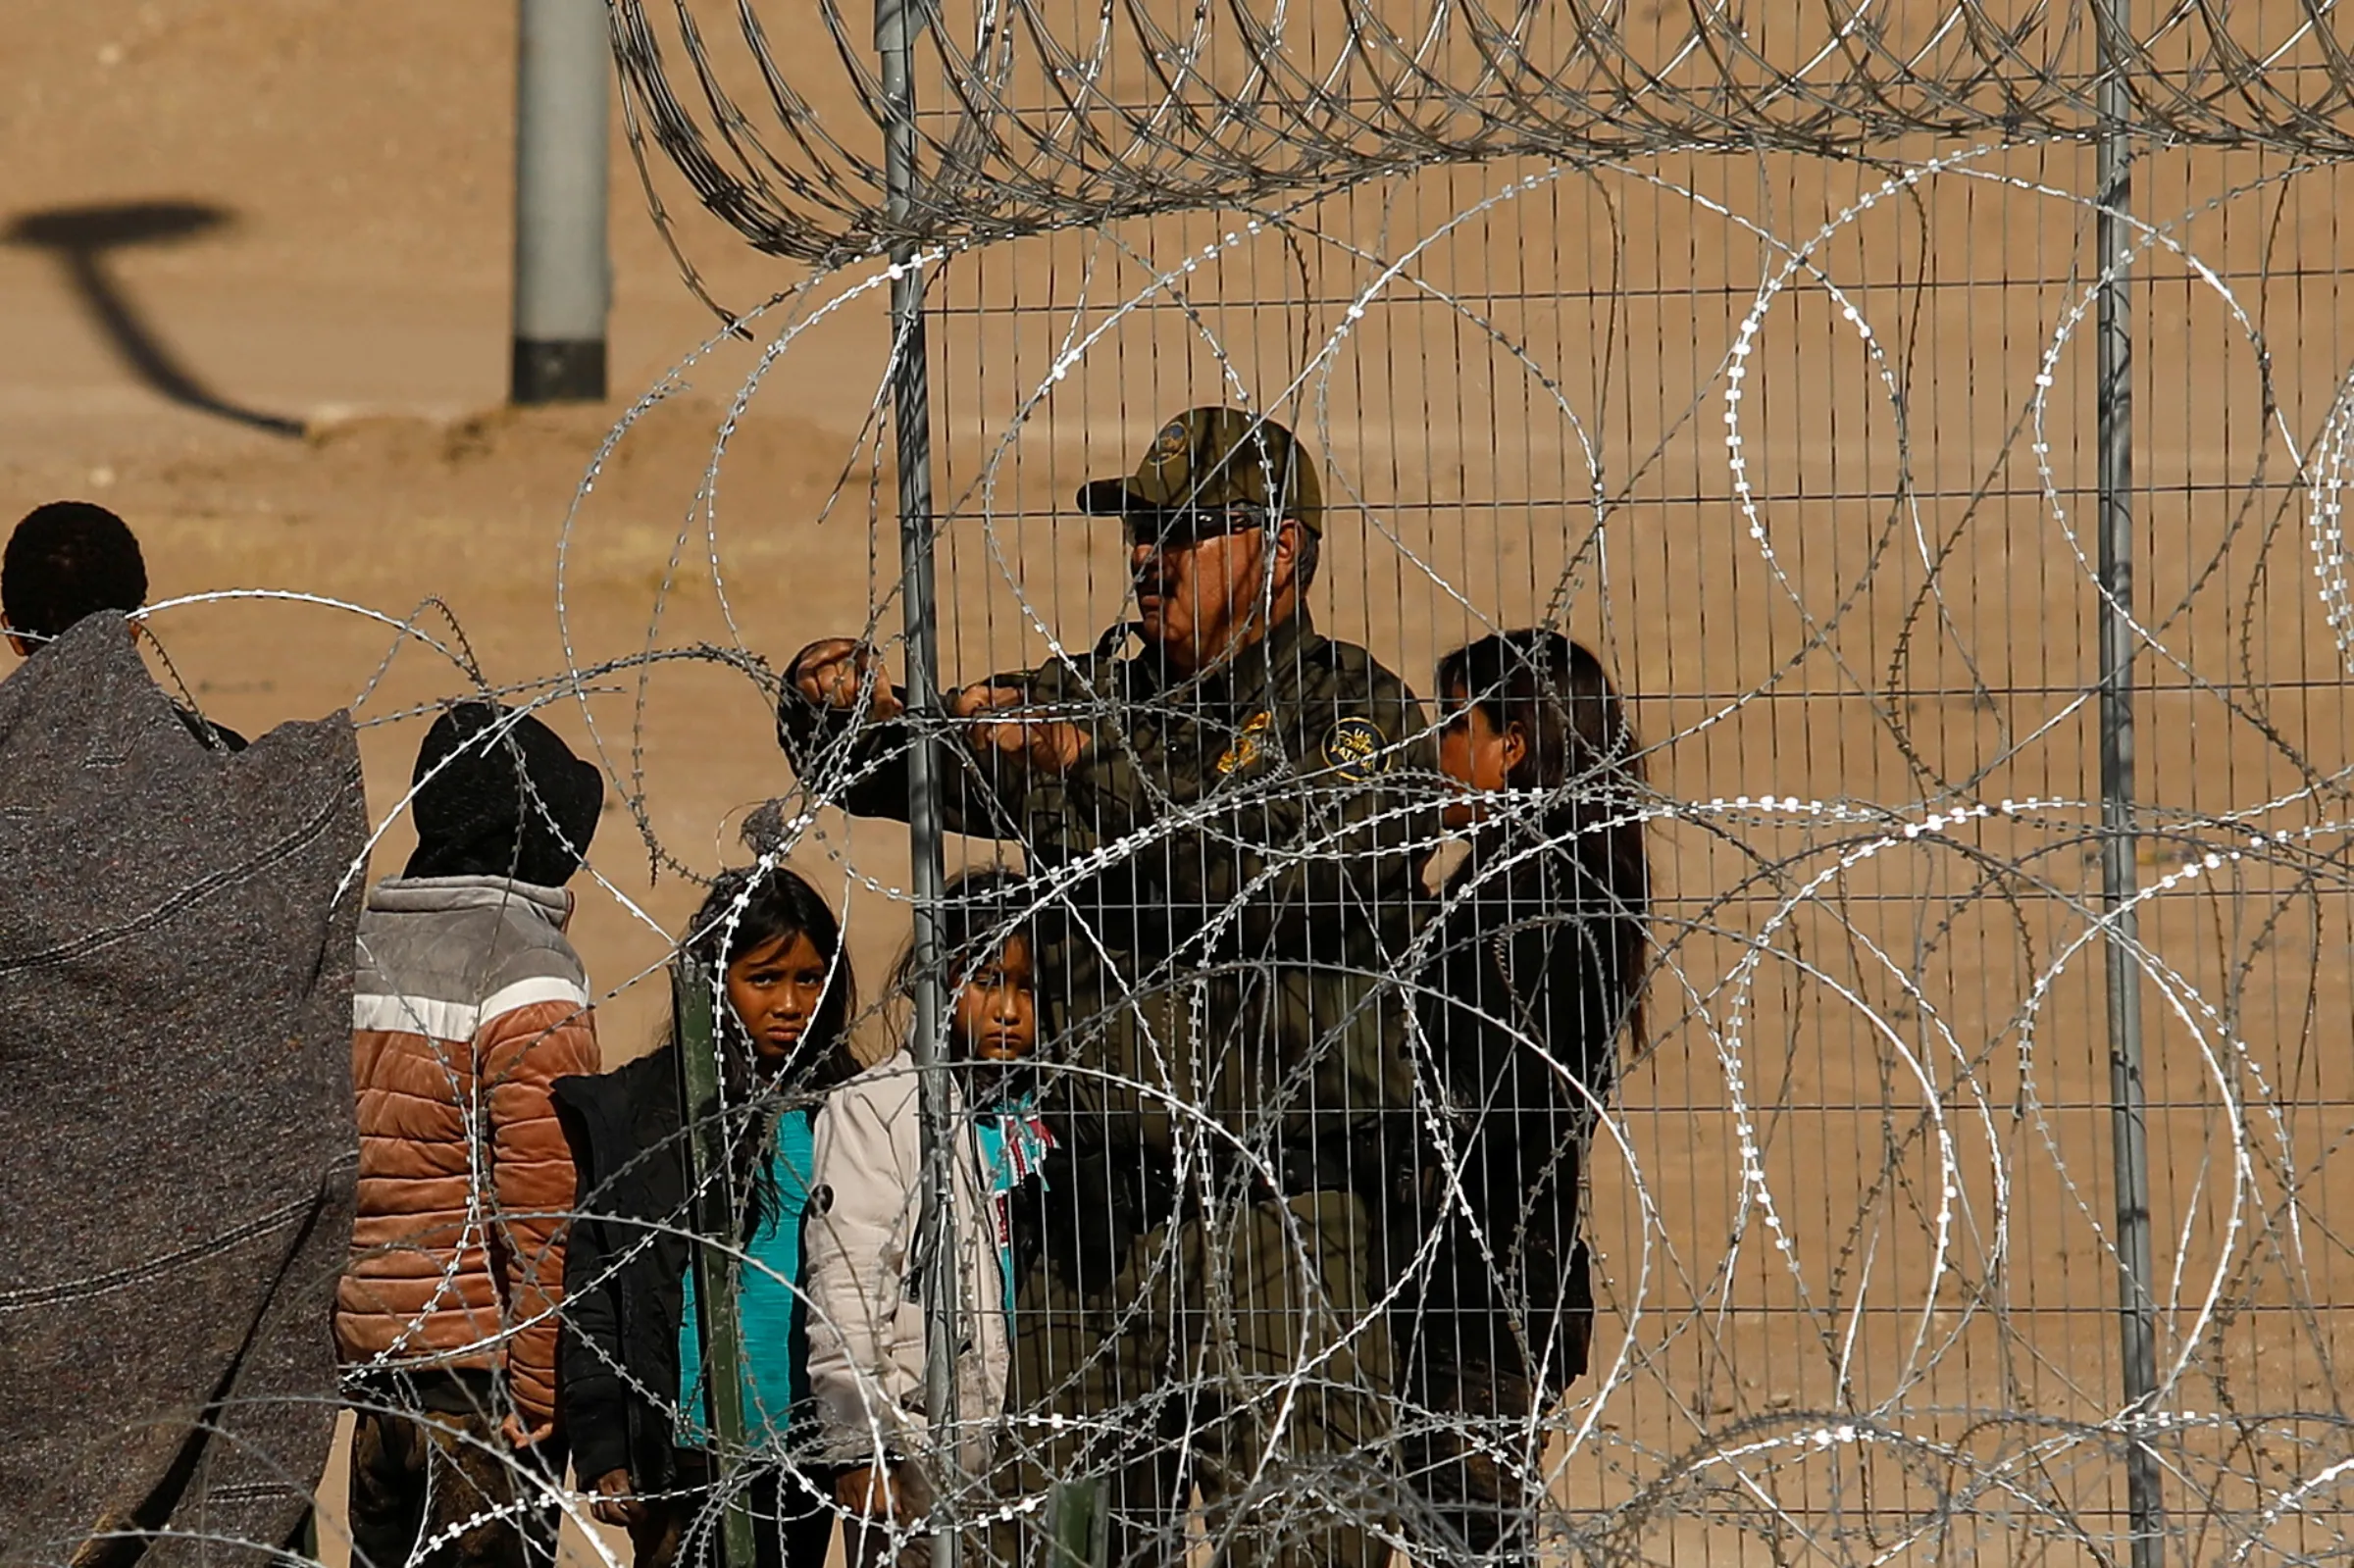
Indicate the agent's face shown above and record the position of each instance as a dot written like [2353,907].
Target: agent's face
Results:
[1199,601]
[997,1009]
[1477,756]
[775,990]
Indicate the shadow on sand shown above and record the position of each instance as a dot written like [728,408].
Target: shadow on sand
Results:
[84,239]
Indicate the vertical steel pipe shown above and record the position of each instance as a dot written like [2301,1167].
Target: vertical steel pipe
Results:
[2128,1093]
[898,24]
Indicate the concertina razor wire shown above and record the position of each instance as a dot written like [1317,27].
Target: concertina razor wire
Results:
[1705,1151]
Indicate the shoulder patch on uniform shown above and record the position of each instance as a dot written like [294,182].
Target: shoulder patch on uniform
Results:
[1356,750]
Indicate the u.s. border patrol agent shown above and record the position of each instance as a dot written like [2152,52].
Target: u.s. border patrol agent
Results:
[1223,810]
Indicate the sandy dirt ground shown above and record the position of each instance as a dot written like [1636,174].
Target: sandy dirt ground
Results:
[318,237]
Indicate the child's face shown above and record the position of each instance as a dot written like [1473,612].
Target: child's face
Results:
[997,1010]
[775,989]
[1476,755]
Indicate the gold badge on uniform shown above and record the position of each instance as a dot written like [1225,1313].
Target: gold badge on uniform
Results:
[1168,444]
[1246,750]
[1356,750]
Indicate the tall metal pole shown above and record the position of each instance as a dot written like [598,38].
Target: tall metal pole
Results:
[897,24]
[563,276]
[2128,1117]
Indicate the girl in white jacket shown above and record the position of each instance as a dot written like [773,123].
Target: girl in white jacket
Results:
[866,1321]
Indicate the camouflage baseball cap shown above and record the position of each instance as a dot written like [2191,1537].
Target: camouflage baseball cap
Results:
[1207,459]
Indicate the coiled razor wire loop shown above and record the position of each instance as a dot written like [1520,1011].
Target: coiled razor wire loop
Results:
[1050,115]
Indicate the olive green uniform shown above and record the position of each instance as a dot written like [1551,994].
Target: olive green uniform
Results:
[1226,875]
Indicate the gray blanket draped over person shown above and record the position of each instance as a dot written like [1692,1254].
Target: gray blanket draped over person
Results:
[176,964]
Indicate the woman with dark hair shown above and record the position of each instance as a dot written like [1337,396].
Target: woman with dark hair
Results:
[866,1364]
[1535,970]
[634,1392]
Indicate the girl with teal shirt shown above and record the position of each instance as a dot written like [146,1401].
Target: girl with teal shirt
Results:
[634,1393]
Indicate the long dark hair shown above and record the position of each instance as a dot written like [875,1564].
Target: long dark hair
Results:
[746,909]
[982,911]
[1583,757]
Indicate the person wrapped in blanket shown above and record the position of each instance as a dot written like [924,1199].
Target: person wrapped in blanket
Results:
[1537,952]
[634,1391]
[867,1321]
[70,560]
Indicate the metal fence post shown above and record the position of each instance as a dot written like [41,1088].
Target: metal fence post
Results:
[2128,1117]
[563,273]
[898,24]
[718,1217]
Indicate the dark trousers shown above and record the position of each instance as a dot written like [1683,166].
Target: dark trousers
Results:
[1470,1450]
[1474,1466]
[433,1484]
[791,1510]
[1240,1353]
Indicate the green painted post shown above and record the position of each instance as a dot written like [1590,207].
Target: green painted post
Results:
[1077,1536]
[717,1214]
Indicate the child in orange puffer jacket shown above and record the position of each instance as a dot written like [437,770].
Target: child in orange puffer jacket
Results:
[468,1003]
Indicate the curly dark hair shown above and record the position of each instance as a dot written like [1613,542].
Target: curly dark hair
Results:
[67,561]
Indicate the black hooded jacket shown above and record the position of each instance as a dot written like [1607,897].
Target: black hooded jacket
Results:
[625,1268]
[1522,1004]
[625,1265]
